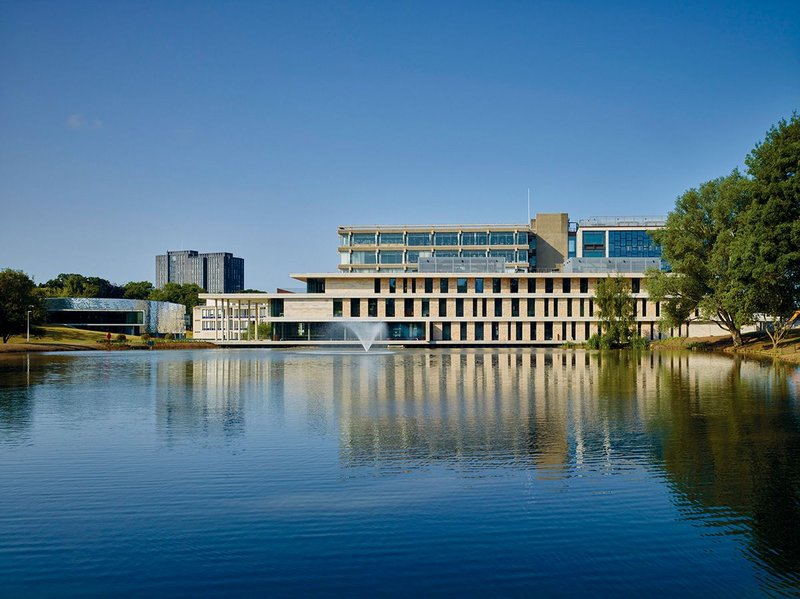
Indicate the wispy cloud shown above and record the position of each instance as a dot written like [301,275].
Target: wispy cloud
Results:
[78,122]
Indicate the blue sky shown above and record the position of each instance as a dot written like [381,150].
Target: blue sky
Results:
[131,128]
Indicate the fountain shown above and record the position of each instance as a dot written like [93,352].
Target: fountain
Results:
[367,332]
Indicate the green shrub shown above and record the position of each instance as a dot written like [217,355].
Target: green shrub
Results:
[638,342]
[169,337]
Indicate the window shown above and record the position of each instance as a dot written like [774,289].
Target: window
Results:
[531,307]
[445,238]
[507,255]
[658,309]
[581,308]
[463,331]
[426,308]
[428,285]
[355,307]
[276,307]
[495,331]
[443,285]
[584,285]
[446,334]
[447,253]
[392,285]
[555,307]
[518,331]
[473,253]
[460,306]
[363,238]
[363,258]
[591,307]
[533,331]
[569,308]
[515,307]
[547,307]
[548,285]
[522,238]
[548,331]
[391,257]
[478,331]
[531,285]
[391,238]
[416,239]
[442,307]
[337,308]
[461,285]
[372,307]
[315,286]
[636,285]
[501,238]
[474,238]
[377,285]
[413,285]
[495,285]
[408,307]
[405,285]
[594,244]
[498,307]
[566,285]
[483,307]
[478,285]
[390,308]
[475,308]
[515,285]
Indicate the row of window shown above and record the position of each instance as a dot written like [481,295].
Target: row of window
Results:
[478,308]
[465,285]
[517,331]
[438,238]
[413,256]
[621,244]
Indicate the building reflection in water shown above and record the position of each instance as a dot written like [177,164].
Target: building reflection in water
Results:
[724,434]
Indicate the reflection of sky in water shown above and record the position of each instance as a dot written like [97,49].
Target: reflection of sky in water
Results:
[500,470]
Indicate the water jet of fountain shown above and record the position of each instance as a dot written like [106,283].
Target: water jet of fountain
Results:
[367,332]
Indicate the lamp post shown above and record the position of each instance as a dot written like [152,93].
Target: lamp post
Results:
[29,324]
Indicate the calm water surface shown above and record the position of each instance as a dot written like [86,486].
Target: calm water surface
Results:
[506,472]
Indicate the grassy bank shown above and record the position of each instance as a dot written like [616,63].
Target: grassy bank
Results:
[49,338]
[755,345]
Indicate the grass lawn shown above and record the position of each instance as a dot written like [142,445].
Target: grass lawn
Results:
[754,345]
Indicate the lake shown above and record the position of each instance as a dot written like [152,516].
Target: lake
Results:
[408,472]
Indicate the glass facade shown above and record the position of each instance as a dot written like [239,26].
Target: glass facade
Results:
[632,244]
[363,238]
[419,239]
[501,238]
[474,238]
[391,257]
[444,238]
[363,258]
[391,239]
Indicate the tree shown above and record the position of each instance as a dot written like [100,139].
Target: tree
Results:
[615,304]
[186,294]
[137,290]
[765,254]
[17,296]
[76,285]
[696,242]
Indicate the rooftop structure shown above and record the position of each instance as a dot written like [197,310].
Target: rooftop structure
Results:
[539,246]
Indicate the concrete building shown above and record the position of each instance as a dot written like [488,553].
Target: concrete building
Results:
[217,272]
[457,285]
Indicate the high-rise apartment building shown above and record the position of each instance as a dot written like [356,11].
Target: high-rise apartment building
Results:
[216,272]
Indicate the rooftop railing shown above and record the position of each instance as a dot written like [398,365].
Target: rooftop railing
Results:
[623,221]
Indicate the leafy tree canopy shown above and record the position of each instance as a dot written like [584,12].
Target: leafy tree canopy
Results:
[76,285]
[186,294]
[137,290]
[615,304]
[696,241]
[18,294]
